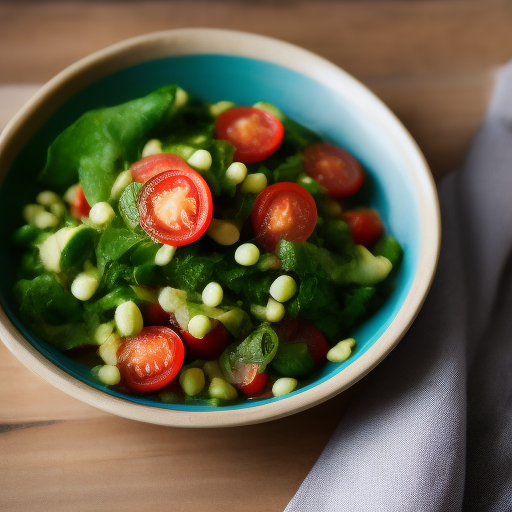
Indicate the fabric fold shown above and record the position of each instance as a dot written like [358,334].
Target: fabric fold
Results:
[432,430]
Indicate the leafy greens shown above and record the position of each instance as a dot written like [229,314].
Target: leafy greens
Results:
[104,142]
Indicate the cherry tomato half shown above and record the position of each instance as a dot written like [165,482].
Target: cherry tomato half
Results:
[283,211]
[151,359]
[365,226]
[256,134]
[296,330]
[247,379]
[175,207]
[210,347]
[154,314]
[335,169]
[79,206]
[155,164]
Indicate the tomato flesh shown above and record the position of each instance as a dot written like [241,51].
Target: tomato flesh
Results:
[296,330]
[210,346]
[151,359]
[365,226]
[335,169]
[152,165]
[247,379]
[175,207]
[286,211]
[79,206]
[255,133]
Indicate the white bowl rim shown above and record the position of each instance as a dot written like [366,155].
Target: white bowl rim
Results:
[218,41]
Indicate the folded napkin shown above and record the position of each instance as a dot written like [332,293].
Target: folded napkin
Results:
[432,431]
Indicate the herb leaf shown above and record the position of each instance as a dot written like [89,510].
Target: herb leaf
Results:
[259,348]
[129,205]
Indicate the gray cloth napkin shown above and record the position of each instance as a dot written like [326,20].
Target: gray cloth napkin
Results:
[432,430]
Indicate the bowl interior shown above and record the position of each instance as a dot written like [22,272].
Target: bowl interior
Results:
[335,117]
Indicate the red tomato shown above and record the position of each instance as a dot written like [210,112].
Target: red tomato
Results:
[256,134]
[365,226]
[79,206]
[296,330]
[155,164]
[155,315]
[210,347]
[151,359]
[175,207]
[283,211]
[247,379]
[335,169]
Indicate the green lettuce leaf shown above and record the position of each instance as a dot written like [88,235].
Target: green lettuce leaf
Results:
[44,299]
[391,249]
[31,265]
[190,269]
[104,142]
[26,235]
[307,260]
[290,170]
[357,303]
[336,236]
[112,300]
[115,242]
[293,360]
[297,136]
[68,336]
[222,157]
[116,274]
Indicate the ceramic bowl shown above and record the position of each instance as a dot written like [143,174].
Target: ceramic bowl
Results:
[245,68]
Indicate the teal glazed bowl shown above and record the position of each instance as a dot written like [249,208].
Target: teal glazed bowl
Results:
[223,65]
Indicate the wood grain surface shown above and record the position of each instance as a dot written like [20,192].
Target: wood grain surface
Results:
[433,62]
[59,454]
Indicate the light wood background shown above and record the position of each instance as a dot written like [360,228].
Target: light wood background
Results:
[433,62]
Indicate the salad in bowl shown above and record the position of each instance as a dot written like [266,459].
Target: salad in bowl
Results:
[210,228]
[205,253]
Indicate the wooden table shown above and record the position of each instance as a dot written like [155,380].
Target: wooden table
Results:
[433,62]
